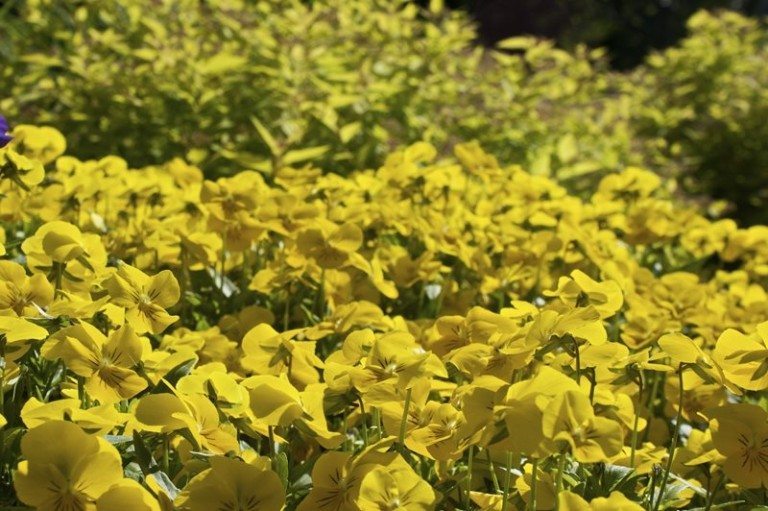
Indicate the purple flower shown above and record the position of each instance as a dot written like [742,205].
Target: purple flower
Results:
[5,138]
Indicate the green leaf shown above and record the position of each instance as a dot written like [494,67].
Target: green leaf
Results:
[300,155]
[266,136]
[516,43]
[143,454]
[567,148]
[222,63]
[280,466]
[174,375]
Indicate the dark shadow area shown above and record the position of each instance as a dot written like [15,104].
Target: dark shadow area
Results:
[628,29]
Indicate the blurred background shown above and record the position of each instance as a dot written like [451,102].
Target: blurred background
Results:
[628,29]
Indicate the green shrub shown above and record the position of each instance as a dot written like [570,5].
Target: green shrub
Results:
[258,84]
[706,103]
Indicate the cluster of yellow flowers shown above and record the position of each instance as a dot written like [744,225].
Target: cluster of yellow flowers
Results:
[439,333]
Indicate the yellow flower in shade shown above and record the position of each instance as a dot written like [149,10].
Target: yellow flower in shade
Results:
[268,352]
[128,495]
[396,488]
[579,289]
[580,323]
[61,241]
[236,485]
[72,259]
[22,171]
[444,437]
[740,433]
[100,419]
[545,487]
[329,245]
[42,143]
[336,477]
[395,358]
[744,358]
[523,410]
[105,362]
[65,469]
[169,413]
[24,295]
[616,501]
[273,399]
[570,419]
[18,333]
[145,298]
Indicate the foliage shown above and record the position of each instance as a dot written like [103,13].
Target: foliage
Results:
[240,84]
[259,85]
[707,102]
[438,333]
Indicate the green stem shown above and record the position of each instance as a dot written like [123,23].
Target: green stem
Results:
[81,390]
[223,261]
[344,428]
[376,422]
[711,496]
[534,477]
[166,454]
[635,424]
[633,447]
[320,298]
[675,437]
[559,478]
[272,445]
[58,273]
[651,399]
[577,356]
[404,419]
[470,460]
[364,421]
[287,312]
[507,479]
[492,468]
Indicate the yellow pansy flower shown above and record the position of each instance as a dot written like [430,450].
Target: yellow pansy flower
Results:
[105,362]
[570,501]
[23,295]
[268,352]
[744,358]
[570,419]
[398,488]
[145,298]
[127,494]
[233,484]
[19,169]
[329,245]
[65,468]
[580,290]
[740,433]
[169,413]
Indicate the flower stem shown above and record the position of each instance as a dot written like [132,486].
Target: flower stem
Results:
[559,478]
[494,479]
[534,474]
[470,459]
[364,421]
[675,437]
[404,419]
[635,424]
[711,496]
[272,446]
[507,479]
[633,447]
